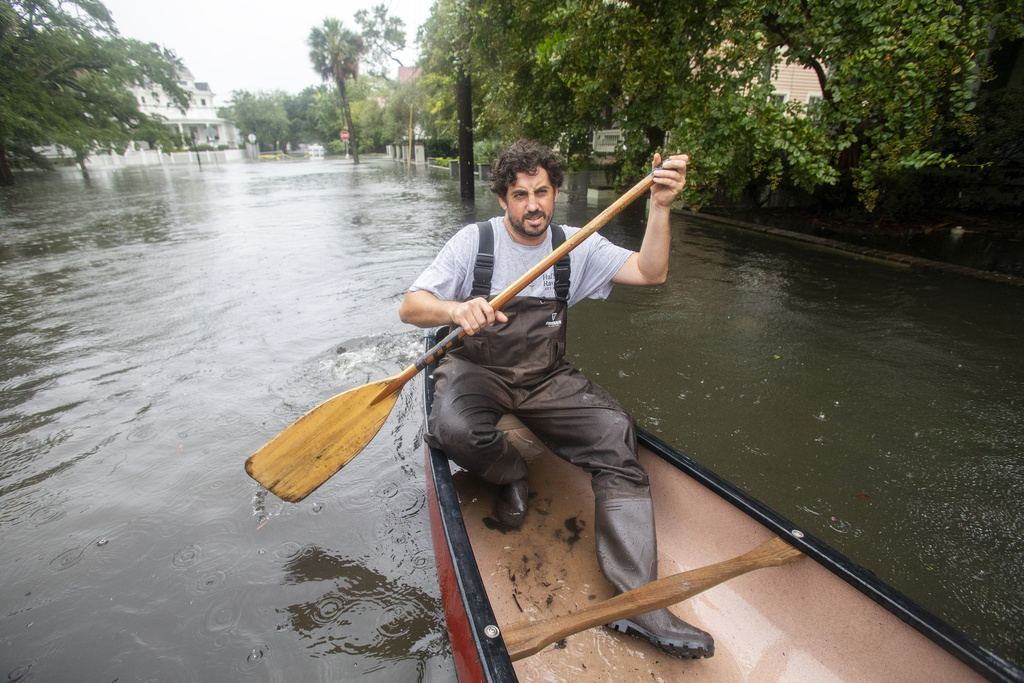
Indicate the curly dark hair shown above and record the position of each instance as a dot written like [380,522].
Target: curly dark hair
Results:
[525,156]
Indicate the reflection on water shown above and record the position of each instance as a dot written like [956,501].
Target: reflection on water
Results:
[362,613]
[160,325]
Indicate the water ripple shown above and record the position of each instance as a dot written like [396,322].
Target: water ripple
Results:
[46,514]
[142,434]
[18,673]
[210,583]
[186,556]
[257,656]
[67,559]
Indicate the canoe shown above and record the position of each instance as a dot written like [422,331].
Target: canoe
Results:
[820,618]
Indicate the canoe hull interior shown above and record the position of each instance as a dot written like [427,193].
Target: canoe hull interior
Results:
[819,619]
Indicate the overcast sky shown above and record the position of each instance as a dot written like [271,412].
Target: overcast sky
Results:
[251,44]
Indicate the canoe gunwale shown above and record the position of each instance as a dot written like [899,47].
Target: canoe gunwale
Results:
[467,608]
[491,656]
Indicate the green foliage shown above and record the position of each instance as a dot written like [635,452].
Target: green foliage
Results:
[513,94]
[406,106]
[994,134]
[65,79]
[369,119]
[336,52]
[382,36]
[324,116]
[261,113]
[987,148]
[314,115]
[441,147]
[896,76]
[297,109]
[487,151]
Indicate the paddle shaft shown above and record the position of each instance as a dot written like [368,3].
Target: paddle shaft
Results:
[439,349]
[525,638]
[313,448]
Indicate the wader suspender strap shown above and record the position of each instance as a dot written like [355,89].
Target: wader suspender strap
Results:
[484,265]
[561,266]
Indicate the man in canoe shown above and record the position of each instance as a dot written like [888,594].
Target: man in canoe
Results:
[512,360]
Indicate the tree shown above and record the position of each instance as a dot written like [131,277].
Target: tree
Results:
[370,98]
[517,91]
[335,52]
[450,47]
[895,74]
[325,116]
[404,111]
[263,114]
[65,79]
[300,123]
[382,37]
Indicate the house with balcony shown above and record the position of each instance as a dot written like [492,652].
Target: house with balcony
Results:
[199,124]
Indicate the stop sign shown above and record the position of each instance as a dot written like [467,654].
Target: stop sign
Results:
[344,135]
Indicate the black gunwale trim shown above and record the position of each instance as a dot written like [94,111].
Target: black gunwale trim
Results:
[494,659]
[985,662]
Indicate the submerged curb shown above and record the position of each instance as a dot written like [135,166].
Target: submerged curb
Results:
[890,256]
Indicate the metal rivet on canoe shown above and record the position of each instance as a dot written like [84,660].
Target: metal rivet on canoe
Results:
[798,533]
[491,631]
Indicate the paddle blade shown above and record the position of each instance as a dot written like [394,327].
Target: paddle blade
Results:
[314,447]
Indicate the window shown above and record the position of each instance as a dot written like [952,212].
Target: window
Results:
[814,107]
[202,102]
[778,98]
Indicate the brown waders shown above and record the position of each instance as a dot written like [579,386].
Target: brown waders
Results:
[519,367]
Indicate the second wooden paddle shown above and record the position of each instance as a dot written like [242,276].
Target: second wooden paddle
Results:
[525,638]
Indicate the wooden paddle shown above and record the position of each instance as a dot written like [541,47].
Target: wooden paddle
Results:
[525,638]
[313,448]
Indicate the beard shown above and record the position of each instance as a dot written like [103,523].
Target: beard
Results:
[523,230]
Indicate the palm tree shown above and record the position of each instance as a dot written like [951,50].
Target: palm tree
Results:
[335,52]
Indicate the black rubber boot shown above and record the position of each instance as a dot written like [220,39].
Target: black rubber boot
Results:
[627,551]
[510,507]
[510,472]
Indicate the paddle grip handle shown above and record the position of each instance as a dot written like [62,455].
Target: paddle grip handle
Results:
[439,349]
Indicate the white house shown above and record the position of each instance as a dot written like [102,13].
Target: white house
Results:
[199,123]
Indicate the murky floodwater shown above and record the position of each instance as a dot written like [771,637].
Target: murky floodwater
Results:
[159,325]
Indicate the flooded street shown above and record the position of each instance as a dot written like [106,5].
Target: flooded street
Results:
[161,324]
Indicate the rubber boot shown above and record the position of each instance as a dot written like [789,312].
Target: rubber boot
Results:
[627,552]
[510,472]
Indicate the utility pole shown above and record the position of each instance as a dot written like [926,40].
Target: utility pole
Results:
[195,148]
[464,110]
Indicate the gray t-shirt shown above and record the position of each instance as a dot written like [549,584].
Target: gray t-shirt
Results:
[594,262]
